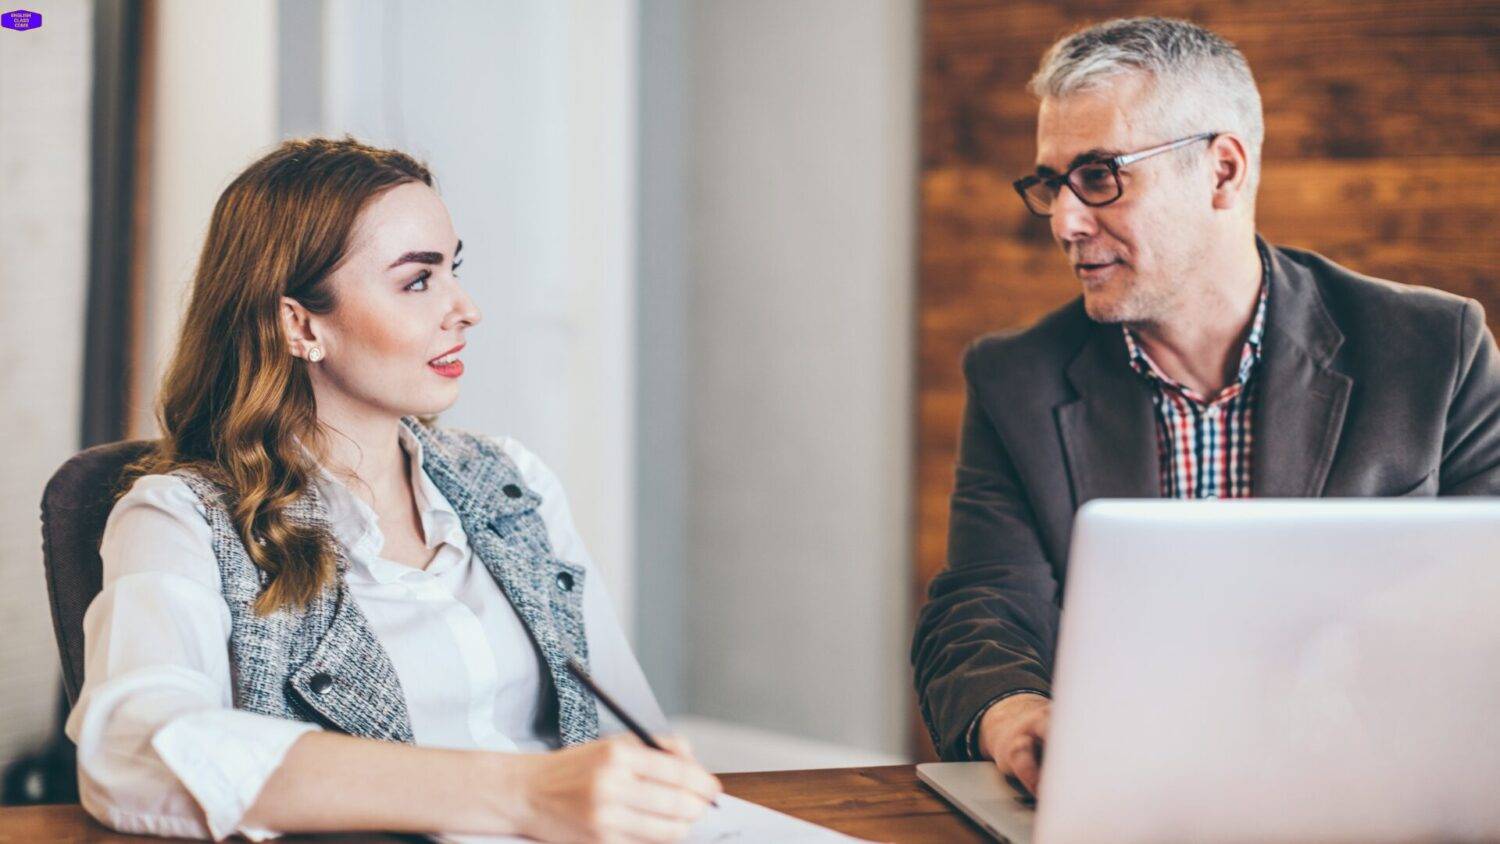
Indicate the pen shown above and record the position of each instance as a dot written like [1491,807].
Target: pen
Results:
[609,703]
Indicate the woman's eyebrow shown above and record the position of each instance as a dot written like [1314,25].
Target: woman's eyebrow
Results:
[424,257]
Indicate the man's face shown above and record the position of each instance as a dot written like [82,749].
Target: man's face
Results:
[1134,255]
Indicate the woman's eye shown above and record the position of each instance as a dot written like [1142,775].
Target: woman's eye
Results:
[422,280]
[456,265]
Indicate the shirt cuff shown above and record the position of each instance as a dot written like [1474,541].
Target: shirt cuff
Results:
[223,758]
[971,735]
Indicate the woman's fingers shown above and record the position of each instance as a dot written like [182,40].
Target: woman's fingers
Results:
[672,770]
[677,745]
[646,795]
[664,801]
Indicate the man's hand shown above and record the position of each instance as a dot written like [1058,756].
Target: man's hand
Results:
[1012,733]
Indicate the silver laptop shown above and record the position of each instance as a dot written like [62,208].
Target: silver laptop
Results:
[1268,670]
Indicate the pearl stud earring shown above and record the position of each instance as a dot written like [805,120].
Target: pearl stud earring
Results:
[315,354]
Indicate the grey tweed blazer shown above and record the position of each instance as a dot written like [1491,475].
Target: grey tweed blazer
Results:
[323,664]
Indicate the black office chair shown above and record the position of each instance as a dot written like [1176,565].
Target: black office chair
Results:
[75,505]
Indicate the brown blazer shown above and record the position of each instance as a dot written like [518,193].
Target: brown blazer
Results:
[1370,388]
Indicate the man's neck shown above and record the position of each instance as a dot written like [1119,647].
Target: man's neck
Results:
[1199,344]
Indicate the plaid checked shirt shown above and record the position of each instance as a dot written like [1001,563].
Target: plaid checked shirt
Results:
[1205,445]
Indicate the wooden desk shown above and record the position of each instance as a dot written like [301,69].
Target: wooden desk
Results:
[881,804]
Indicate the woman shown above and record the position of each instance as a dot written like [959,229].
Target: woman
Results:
[320,612]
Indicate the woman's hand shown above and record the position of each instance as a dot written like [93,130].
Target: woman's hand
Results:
[614,789]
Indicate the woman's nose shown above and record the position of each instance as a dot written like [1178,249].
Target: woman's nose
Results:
[464,309]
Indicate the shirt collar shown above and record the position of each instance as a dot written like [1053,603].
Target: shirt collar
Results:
[356,526]
[1250,353]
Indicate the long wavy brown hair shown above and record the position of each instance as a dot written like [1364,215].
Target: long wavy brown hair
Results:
[235,402]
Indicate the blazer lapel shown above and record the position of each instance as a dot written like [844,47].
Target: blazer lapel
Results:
[349,679]
[1109,431]
[1301,399]
[508,535]
[548,597]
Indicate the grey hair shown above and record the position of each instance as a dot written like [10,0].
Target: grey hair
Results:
[1202,81]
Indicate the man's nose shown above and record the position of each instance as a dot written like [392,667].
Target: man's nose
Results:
[1071,219]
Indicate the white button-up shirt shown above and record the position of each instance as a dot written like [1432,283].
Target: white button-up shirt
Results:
[162,751]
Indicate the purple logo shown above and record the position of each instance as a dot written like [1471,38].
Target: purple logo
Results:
[21,19]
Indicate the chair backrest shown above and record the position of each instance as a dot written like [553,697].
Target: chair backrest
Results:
[75,506]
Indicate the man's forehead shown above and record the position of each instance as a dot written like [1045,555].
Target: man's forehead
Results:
[1093,123]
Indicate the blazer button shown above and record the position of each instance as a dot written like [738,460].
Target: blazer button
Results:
[511,491]
[565,581]
[320,682]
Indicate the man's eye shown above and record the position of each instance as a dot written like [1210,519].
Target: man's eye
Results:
[1094,176]
[422,280]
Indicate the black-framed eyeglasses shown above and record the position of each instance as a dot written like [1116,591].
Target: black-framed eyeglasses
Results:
[1095,182]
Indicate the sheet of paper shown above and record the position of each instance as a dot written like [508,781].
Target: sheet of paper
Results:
[734,822]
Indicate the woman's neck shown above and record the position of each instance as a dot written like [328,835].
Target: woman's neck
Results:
[364,452]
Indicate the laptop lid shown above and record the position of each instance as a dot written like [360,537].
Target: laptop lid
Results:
[1277,670]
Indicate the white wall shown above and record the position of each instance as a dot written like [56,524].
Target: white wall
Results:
[662,352]
[45,83]
[793,248]
[525,111]
[215,112]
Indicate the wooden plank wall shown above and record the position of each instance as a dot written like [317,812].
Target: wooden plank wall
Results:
[1382,152]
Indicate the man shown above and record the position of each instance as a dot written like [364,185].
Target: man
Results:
[1200,362]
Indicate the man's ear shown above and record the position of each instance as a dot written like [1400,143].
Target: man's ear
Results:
[1231,169]
[301,333]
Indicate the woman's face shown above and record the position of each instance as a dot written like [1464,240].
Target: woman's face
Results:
[390,343]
